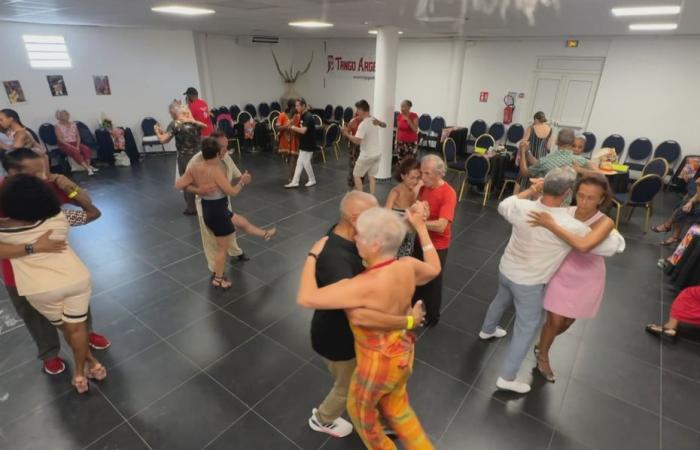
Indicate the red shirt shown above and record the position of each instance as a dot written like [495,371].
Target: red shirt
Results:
[200,112]
[8,275]
[404,132]
[442,201]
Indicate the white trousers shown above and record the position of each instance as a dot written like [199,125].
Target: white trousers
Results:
[304,162]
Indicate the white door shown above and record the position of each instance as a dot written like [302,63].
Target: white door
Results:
[566,98]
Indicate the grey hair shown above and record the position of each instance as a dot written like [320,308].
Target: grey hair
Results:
[382,226]
[438,163]
[176,107]
[558,181]
[566,137]
[355,197]
[61,111]
[580,137]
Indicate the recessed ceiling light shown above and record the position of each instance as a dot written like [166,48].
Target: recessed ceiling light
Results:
[310,24]
[647,11]
[653,26]
[183,10]
[377,32]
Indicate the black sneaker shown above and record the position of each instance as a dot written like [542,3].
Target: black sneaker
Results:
[240,258]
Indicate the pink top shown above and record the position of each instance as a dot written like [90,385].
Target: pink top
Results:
[576,289]
[69,132]
[404,132]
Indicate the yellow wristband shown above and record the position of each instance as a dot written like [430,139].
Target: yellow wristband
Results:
[74,193]
[409,322]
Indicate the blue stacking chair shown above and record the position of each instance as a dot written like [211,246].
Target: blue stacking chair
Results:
[149,138]
[477,129]
[264,110]
[497,130]
[615,141]
[513,136]
[670,151]
[331,138]
[58,162]
[328,113]
[449,155]
[436,127]
[590,143]
[235,111]
[638,153]
[657,166]
[338,114]
[424,122]
[250,109]
[641,194]
[275,106]
[348,114]
[478,171]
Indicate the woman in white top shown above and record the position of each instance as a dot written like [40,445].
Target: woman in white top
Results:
[69,141]
[55,284]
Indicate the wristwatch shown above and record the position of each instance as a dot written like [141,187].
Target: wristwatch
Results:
[29,249]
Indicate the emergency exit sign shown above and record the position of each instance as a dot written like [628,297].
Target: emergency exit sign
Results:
[572,43]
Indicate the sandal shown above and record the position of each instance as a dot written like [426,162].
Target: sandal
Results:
[670,241]
[660,228]
[97,372]
[547,374]
[269,233]
[661,331]
[221,283]
[80,384]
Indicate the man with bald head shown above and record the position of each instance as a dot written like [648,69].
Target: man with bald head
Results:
[331,336]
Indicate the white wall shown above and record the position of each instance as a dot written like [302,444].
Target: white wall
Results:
[146,70]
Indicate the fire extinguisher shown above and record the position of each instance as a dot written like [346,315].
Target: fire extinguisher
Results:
[509,100]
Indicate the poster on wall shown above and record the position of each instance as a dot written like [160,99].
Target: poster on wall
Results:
[14,91]
[57,85]
[102,85]
[350,63]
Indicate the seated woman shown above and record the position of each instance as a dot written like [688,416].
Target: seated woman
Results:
[684,309]
[677,254]
[404,195]
[384,358]
[576,289]
[209,182]
[19,135]
[57,285]
[69,141]
[688,212]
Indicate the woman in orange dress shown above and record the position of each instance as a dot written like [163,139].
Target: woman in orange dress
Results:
[288,141]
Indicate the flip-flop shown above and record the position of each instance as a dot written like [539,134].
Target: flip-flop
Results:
[97,373]
[80,384]
[670,241]
[660,229]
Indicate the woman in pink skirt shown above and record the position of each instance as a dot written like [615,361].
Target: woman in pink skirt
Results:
[576,289]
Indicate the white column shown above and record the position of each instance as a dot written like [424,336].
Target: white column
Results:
[385,92]
[454,86]
[206,86]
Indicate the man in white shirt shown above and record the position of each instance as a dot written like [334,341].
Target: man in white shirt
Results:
[530,260]
[367,137]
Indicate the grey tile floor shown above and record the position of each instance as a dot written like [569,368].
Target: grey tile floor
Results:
[193,368]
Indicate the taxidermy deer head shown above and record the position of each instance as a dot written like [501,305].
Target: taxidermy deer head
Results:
[289,76]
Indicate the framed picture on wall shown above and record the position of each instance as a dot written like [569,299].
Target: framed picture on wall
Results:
[14,91]
[57,85]
[102,85]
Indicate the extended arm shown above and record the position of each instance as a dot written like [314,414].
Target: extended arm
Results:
[184,181]
[438,225]
[354,139]
[430,267]
[599,231]
[163,136]
[225,185]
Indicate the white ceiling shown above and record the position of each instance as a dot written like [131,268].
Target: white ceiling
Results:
[353,18]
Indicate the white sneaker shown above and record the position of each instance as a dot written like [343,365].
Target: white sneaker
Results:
[514,386]
[339,428]
[90,172]
[310,183]
[499,333]
[291,185]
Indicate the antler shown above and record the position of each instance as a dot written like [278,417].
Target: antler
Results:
[308,66]
[279,69]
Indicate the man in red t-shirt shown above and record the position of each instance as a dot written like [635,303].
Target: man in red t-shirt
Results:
[441,200]
[42,331]
[199,110]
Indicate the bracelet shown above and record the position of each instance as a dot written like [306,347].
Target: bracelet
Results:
[313,255]
[409,322]
[428,247]
[74,193]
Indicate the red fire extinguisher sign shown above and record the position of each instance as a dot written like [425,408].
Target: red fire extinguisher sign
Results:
[484,96]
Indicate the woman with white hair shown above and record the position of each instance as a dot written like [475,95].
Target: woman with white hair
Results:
[69,141]
[188,141]
[384,358]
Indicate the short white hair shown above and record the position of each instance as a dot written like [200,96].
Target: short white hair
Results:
[176,107]
[439,164]
[382,226]
[60,112]
[353,198]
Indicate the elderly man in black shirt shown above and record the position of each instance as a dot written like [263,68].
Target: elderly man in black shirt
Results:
[331,336]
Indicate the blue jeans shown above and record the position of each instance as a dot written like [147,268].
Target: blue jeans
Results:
[528,301]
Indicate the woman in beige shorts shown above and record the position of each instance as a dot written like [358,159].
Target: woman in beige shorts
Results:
[56,284]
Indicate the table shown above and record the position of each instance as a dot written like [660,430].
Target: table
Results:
[459,135]
[500,164]
[619,181]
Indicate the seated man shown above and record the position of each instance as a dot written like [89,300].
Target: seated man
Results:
[567,154]
[687,213]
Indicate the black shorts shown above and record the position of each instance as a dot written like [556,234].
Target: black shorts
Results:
[217,217]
